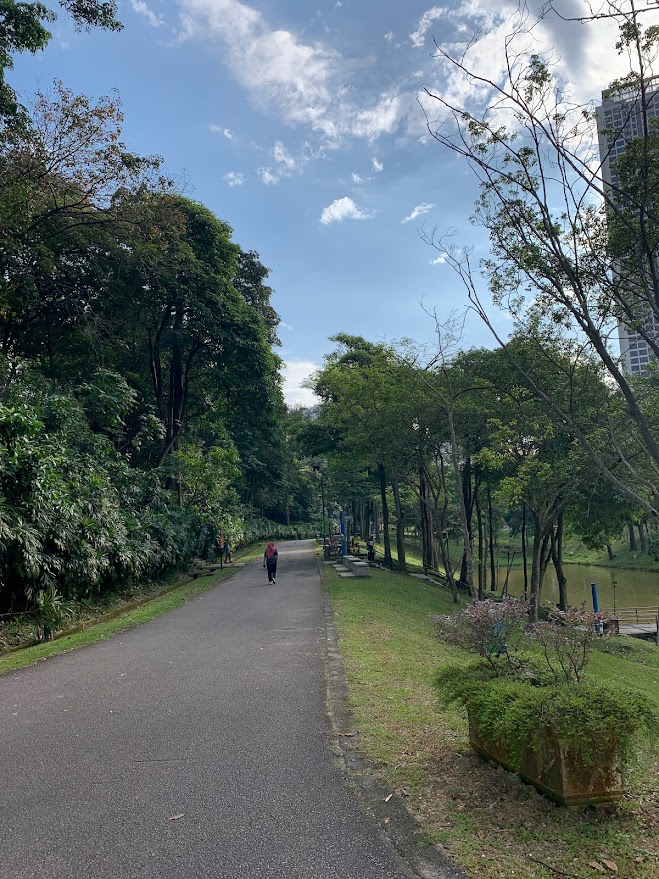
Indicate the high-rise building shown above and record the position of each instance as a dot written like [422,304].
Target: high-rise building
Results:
[620,121]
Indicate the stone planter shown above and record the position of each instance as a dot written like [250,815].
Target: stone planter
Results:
[557,771]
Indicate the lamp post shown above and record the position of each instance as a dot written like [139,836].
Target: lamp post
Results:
[318,468]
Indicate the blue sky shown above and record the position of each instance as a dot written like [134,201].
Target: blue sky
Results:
[299,124]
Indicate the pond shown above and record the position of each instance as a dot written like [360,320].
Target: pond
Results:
[615,587]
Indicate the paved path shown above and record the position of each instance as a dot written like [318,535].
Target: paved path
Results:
[215,711]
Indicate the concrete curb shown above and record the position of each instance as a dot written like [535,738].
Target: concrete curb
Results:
[396,822]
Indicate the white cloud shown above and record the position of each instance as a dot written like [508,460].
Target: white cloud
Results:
[284,325]
[418,37]
[356,178]
[225,132]
[437,262]
[234,178]
[294,373]
[268,176]
[141,8]
[377,164]
[305,83]
[418,211]
[342,209]
[389,36]
[283,157]
[286,164]
[383,118]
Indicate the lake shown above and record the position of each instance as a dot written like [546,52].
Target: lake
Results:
[623,588]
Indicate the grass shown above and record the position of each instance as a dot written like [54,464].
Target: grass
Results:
[101,631]
[490,822]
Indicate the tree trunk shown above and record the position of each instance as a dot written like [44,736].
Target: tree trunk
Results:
[641,536]
[557,558]
[538,568]
[632,537]
[493,567]
[464,517]
[444,547]
[385,514]
[524,561]
[400,525]
[481,542]
[609,551]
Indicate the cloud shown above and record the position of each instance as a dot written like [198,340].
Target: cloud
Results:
[294,373]
[303,82]
[268,176]
[342,209]
[377,164]
[418,211]
[283,157]
[141,8]
[356,178]
[389,36]
[286,164]
[284,325]
[439,261]
[418,37]
[234,178]
[225,132]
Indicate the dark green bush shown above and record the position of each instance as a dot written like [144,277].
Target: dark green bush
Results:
[513,713]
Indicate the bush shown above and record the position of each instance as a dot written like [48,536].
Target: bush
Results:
[513,714]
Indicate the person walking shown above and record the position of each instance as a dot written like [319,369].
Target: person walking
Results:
[227,550]
[370,546]
[270,561]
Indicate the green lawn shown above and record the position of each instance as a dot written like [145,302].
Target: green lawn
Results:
[489,821]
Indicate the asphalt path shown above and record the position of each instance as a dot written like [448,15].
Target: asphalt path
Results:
[214,712]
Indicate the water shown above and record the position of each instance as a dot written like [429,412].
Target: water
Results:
[615,587]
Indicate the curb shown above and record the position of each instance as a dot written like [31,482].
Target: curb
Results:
[395,821]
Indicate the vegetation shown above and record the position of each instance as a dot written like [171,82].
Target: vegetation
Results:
[491,823]
[141,411]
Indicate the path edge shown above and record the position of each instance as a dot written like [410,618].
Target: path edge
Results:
[394,819]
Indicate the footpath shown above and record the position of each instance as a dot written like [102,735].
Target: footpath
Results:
[195,745]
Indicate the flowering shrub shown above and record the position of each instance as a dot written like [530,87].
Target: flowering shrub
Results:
[494,630]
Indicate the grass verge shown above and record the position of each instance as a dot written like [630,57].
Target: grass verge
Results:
[135,617]
[490,822]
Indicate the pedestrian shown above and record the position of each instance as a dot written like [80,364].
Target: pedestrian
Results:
[270,561]
[227,550]
[370,546]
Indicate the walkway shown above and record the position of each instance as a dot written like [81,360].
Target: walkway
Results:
[194,746]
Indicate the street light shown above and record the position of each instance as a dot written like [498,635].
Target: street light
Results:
[318,468]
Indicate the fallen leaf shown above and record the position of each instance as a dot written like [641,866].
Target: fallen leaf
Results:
[596,866]
[610,865]
[386,799]
[480,834]
[176,817]
[387,820]
[346,735]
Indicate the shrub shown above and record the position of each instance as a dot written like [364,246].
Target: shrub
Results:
[513,714]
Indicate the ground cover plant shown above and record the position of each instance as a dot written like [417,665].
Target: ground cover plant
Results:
[489,821]
[169,600]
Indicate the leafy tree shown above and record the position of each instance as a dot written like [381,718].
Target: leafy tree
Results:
[568,251]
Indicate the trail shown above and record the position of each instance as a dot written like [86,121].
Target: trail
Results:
[214,712]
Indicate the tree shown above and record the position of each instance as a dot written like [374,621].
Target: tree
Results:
[22,29]
[567,250]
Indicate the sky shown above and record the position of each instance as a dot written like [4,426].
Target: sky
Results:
[304,126]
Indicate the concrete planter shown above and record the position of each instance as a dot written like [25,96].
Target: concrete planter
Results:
[558,771]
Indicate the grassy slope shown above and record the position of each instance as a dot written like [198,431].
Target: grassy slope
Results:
[158,606]
[487,819]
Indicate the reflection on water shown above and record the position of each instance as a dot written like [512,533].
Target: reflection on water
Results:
[619,588]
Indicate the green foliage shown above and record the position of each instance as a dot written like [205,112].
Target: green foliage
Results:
[514,713]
